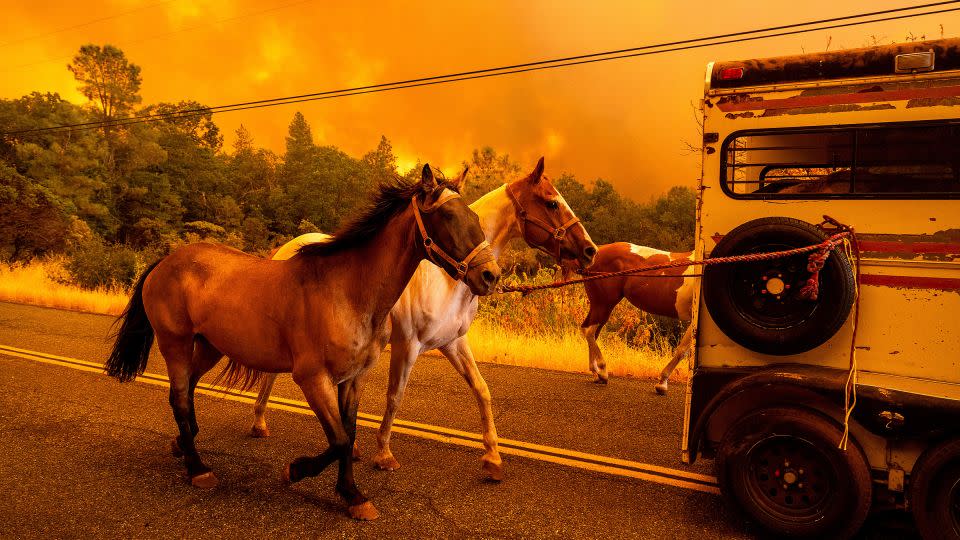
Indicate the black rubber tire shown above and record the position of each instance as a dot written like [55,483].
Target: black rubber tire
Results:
[837,497]
[935,492]
[785,324]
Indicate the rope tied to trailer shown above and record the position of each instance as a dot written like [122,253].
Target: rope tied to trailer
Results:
[811,289]
[824,247]
[852,249]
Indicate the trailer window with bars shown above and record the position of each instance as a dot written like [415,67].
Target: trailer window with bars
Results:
[898,160]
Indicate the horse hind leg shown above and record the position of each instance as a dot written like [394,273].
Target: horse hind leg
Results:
[259,428]
[683,348]
[187,361]
[403,355]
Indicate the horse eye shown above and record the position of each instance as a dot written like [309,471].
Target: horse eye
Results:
[553,205]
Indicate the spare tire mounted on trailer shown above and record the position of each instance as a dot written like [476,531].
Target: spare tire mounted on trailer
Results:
[759,304]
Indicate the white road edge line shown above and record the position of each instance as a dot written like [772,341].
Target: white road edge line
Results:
[571,458]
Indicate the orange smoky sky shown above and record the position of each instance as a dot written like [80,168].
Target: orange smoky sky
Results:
[623,121]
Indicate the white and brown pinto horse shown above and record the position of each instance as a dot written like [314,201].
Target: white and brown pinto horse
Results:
[435,311]
[667,292]
[320,315]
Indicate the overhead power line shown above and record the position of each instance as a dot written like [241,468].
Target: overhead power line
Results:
[645,50]
[81,25]
[205,24]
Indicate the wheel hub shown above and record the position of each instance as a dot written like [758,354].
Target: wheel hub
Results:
[789,476]
[775,285]
[765,293]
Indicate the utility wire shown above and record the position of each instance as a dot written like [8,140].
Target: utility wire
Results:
[81,25]
[646,50]
[170,33]
[466,74]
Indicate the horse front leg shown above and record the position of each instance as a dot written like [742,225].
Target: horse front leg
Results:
[461,357]
[348,393]
[403,355]
[598,316]
[681,351]
[322,395]
[259,428]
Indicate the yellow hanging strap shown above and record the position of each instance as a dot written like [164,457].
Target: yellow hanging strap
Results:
[850,389]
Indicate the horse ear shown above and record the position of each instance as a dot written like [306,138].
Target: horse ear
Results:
[460,180]
[537,173]
[428,181]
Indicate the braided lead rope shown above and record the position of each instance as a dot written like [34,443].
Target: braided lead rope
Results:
[826,245]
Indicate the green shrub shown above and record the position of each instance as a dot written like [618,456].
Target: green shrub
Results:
[94,264]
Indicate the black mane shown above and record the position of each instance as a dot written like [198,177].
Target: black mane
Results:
[390,199]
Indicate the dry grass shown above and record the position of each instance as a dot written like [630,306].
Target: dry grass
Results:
[541,330]
[567,352]
[46,283]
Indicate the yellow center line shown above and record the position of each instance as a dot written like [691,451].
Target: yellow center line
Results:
[571,458]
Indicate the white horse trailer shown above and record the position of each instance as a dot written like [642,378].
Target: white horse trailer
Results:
[871,138]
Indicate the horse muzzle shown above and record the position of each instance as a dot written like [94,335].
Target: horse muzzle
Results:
[582,252]
[483,278]
[586,255]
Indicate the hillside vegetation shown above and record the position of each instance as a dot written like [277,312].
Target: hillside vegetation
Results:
[83,211]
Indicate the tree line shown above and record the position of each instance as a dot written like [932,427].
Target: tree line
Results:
[146,187]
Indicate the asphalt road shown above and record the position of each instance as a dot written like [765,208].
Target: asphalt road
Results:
[82,455]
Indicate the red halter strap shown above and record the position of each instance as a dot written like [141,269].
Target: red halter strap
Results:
[557,233]
[460,267]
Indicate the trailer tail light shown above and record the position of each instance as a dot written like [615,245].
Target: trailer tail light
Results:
[731,74]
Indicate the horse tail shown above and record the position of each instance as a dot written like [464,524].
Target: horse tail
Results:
[134,338]
[235,375]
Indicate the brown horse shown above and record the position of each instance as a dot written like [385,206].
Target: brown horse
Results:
[320,315]
[669,293]
[435,311]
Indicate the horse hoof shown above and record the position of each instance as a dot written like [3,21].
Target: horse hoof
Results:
[258,432]
[600,380]
[388,463]
[285,476]
[364,511]
[205,480]
[175,449]
[494,471]
[661,389]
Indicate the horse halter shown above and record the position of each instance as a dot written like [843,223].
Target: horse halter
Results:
[473,258]
[557,233]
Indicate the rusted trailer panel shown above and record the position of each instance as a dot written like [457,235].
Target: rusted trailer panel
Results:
[871,138]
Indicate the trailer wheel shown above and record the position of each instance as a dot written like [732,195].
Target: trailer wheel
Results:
[781,468]
[935,492]
[758,304]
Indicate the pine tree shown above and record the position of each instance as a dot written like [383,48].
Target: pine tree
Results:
[107,79]
[299,139]
[244,142]
[380,164]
